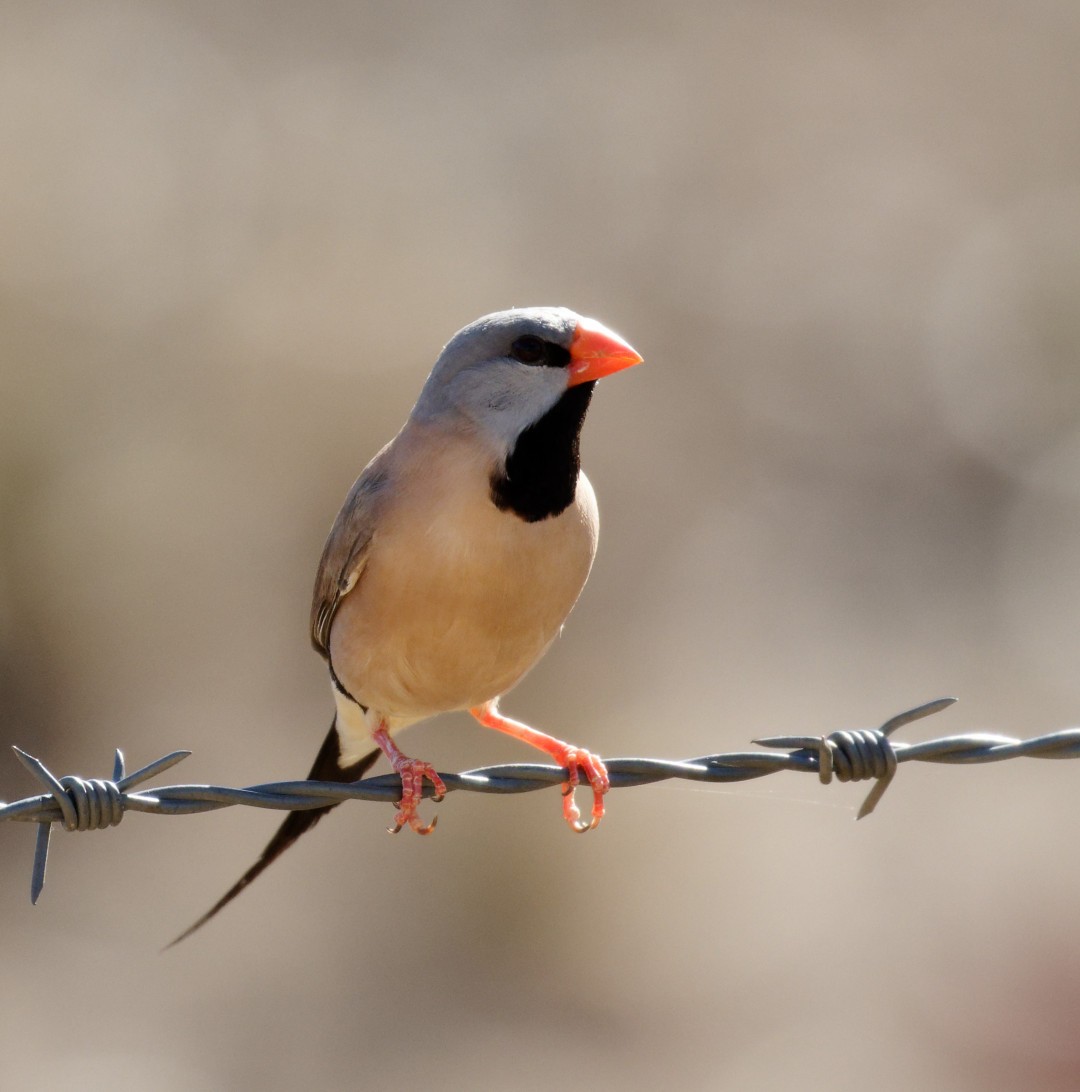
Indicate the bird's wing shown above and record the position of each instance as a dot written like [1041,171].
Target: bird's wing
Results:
[345,552]
[342,563]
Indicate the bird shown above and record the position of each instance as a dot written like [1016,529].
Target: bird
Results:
[457,556]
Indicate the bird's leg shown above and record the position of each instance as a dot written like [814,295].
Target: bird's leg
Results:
[412,772]
[566,754]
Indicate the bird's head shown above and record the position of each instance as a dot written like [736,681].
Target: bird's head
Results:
[505,371]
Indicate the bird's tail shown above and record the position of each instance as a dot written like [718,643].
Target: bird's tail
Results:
[325,768]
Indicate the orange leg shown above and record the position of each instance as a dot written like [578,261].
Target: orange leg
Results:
[566,754]
[412,772]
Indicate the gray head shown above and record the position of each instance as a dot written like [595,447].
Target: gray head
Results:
[502,372]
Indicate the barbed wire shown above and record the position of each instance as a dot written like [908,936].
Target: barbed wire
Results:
[80,804]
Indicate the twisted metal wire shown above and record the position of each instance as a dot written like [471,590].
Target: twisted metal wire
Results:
[864,754]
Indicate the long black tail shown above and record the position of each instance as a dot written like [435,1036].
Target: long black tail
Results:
[326,768]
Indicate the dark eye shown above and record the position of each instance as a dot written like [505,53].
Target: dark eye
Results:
[528,349]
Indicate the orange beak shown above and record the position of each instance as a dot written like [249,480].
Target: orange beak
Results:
[596,351]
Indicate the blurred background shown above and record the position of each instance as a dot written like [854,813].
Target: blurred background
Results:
[846,238]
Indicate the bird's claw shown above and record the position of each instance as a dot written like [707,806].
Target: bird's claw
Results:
[577,759]
[412,772]
[412,820]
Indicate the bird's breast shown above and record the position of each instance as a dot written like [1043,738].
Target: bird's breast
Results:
[458,600]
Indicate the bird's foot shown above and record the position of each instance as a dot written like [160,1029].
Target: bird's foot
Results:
[575,759]
[412,772]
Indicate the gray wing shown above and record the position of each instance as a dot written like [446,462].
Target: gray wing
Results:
[342,563]
[346,550]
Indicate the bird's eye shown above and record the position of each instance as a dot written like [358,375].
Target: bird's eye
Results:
[528,349]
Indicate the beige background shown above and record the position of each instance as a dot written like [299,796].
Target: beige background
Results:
[846,237]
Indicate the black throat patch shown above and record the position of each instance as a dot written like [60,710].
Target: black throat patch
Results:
[541,472]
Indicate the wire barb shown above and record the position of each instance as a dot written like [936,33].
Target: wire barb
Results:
[93,804]
[853,755]
[859,755]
